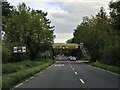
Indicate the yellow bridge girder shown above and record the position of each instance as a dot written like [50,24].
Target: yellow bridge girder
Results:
[65,46]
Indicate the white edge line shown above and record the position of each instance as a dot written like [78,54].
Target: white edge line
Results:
[18,85]
[104,70]
[31,77]
[82,80]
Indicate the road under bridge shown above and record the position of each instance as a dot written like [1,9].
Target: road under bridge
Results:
[71,49]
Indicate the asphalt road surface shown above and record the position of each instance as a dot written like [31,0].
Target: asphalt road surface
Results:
[72,74]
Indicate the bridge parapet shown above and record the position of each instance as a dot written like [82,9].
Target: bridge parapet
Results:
[65,46]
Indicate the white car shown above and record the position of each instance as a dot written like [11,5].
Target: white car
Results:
[71,58]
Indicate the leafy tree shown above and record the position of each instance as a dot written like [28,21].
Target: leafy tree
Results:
[93,37]
[100,35]
[6,9]
[30,28]
[6,54]
[115,14]
[70,40]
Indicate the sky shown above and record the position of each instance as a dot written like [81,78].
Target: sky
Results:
[65,15]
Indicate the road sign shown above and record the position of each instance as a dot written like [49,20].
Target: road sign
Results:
[19,49]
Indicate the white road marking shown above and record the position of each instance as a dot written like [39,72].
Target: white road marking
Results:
[73,69]
[70,66]
[104,70]
[18,85]
[59,65]
[82,80]
[75,72]
[31,77]
[56,61]
[27,80]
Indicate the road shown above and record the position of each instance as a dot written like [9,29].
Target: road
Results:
[72,74]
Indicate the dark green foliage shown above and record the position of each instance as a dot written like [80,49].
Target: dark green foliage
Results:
[70,41]
[29,28]
[93,37]
[115,14]
[101,35]
[111,68]
[6,54]
[6,9]
[111,54]
[15,67]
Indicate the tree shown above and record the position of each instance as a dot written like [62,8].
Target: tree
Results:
[115,14]
[69,40]
[6,9]
[93,37]
[30,28]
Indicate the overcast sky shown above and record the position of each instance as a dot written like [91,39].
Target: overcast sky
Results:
[65,14]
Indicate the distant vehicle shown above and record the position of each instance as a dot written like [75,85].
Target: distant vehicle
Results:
[71,58]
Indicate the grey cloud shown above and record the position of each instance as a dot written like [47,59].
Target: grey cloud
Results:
[66,22]
[72,13]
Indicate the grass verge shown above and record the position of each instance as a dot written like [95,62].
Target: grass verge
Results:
[86,58]
[12,79]
[110,68]
[15,67]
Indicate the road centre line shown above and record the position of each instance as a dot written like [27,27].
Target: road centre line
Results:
[72,68]
[75,72]
[82,81]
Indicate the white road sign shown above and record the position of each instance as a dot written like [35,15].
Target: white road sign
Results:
[19,49]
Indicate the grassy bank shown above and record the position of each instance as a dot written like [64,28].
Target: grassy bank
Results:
[14,73]
[105,67]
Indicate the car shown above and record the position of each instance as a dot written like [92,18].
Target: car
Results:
[71,58]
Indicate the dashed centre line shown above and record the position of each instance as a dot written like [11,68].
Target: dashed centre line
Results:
[75,72]
[70,66]
[82,81]
[73,69]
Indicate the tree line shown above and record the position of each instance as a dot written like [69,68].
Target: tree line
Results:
[101,35]
[24,26]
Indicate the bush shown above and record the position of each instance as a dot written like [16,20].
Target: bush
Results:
[15,67]
[111,55]
[106,67]
[86,58]
[6,54]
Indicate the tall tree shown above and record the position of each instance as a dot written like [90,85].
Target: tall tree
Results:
[115,14]
[6,9]
[30,28]
[93,37]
